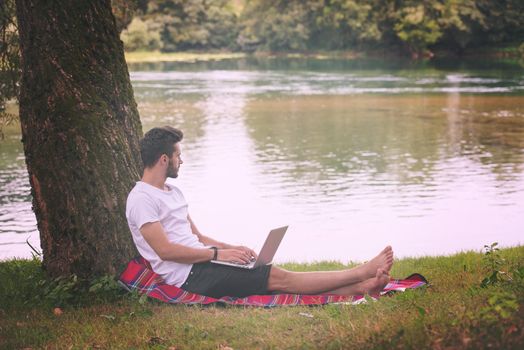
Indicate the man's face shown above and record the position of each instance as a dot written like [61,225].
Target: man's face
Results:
[174,162]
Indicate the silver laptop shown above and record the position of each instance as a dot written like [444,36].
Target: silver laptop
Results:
[266,253]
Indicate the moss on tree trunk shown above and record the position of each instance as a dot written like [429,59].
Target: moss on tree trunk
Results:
[80,129]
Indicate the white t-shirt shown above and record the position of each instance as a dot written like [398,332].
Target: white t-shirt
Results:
[146,203]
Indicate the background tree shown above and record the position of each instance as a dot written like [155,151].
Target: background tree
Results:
[192,24]
[277,25]
[142,35]
[417,25]
[9,61]
[460,20]
[504,21]
[346,23]
[124,11]
[80,129]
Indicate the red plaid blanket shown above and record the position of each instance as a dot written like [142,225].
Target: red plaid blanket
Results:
[139,276]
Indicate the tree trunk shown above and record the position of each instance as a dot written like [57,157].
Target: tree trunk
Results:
[80,129]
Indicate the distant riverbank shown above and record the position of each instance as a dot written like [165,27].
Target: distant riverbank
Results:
[513,52]
[156,56]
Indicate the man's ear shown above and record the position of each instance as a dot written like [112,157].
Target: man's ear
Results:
[163,159]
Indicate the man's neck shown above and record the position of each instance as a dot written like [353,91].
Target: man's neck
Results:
[154,178]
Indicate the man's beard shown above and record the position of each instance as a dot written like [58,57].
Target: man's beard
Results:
[171,170]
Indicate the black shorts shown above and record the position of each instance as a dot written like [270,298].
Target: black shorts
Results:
[215,280]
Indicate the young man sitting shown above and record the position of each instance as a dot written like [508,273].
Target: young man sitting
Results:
[165,235]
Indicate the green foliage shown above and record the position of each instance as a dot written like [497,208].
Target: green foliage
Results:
[519,273]
[521,50]
[347,23]
[24,284]
[493,263]
[61,291]
[492,257]
[5,119]
[501,305]
[9,61]
[416,26]
[20,279]
[504,20]
[104,284]
[454,313]
[141,36]
[275,25]
[71,290]
[459,20]
[192,24]
[124,11]
[10,64]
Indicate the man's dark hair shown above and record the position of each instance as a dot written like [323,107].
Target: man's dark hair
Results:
[158,141]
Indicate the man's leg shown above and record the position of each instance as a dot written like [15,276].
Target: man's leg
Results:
[371,286]
[337,282]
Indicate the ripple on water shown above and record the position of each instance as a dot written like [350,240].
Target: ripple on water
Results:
[14,186]
[17,220]
[308,83]
[434,161]
[17,217]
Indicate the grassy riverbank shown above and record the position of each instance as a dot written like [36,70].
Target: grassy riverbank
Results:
[491,53]
[155,56]
[454,312]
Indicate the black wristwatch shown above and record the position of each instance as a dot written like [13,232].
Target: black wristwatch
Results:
[215,252]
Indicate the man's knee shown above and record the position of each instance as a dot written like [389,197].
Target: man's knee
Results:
[278,279]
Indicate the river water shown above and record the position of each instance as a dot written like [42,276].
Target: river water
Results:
[353,155]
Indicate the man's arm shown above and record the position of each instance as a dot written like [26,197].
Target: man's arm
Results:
[207,240]
[212,242]
[156,237]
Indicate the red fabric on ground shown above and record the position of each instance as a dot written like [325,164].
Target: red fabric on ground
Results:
[139,276]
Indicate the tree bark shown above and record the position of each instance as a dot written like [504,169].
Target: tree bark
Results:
[80,129]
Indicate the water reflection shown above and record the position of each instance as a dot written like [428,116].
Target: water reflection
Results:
[319,83]
[403,169]
[375,66]
[351,154]
[332,136]
[17,221]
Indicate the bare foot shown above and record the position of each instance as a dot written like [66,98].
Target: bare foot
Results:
[375,285]
[384,261]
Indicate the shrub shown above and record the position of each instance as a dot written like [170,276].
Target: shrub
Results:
[140,36]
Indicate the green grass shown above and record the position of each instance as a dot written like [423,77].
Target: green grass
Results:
[154,56]
[513,51]
[454,312]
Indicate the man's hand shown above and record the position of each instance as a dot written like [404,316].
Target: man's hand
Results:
[250,251]
[239,255]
